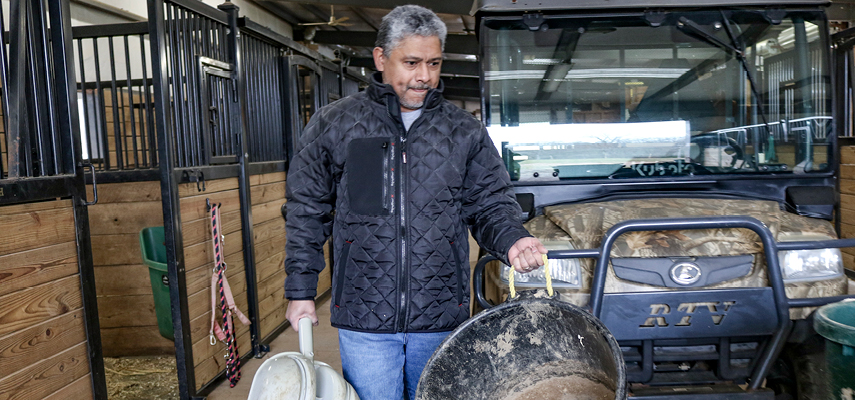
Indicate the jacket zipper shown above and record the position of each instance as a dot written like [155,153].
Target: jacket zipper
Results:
[405,260]
[401,163]
[401,319]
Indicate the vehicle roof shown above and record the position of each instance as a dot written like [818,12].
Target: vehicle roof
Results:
[553,5]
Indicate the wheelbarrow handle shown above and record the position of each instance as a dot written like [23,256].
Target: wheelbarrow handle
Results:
[478,281]
[307,344]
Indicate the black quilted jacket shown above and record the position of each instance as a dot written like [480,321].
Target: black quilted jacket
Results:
[403,202]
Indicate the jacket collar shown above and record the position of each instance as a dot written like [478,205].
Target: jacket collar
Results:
[384,93]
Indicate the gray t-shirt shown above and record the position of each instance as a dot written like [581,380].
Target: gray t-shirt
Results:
[409,117]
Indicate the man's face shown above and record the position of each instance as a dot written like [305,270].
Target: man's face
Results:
[412,68]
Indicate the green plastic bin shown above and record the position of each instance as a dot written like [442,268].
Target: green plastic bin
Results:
[836,323]
[154,256]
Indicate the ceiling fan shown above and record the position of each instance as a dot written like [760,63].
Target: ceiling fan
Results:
[332,22]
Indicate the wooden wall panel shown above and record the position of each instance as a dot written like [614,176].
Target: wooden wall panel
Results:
[31,306]
[131,192]
[80,389]
[267,230]
[125,218]
[46,376]
[34,229]
[199,261]
[38,266]
[268,196]
[215,363]
[847,202]
[123,280]
[271,192]
[43,347]
[125,301]
[41,340]
[262,179]
[266,212]
[4,162]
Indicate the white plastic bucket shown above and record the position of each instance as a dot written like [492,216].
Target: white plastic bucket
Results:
[297,376]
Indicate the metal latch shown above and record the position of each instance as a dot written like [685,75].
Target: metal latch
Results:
[195,175]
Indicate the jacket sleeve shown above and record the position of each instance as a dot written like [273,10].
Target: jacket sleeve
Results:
[489,203]
[310,195]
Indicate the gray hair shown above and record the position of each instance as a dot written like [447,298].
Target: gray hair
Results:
[409,20]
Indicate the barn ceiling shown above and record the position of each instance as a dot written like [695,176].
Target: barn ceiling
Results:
[351,27]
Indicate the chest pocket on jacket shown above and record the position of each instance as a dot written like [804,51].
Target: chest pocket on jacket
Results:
[369,181]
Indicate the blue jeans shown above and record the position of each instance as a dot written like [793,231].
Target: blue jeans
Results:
[380,366]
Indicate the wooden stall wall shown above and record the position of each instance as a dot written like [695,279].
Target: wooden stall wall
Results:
[199,262]
[474,251]
[43,345]
[268,196]
[125,301]
[4,158]
[847,202]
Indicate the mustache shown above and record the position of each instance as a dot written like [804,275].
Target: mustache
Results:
[420,87]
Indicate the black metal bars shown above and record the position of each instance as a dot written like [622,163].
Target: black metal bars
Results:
[190,34]
[266,115]
[221,97]
[32,135]
[40,130]
[115,97]
[330,84]
[169,194]
[244,158]
[351,84]
[4,104]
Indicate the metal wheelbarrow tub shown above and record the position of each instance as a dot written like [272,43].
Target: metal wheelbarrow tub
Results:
[297,376]
[530,347]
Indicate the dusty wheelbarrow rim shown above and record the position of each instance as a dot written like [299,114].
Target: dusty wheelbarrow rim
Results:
[525,299]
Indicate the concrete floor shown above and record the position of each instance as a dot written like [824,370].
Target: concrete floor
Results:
[326,350]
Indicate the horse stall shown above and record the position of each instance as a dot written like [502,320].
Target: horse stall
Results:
[50,343]
[177,115]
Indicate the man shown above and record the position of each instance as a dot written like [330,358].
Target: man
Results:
[407,173]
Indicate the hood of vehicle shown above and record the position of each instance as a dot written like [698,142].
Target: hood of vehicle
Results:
[585,224]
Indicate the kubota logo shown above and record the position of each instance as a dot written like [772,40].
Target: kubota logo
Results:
[660,313]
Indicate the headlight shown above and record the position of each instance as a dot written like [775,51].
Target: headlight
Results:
[565,272]
[810,265]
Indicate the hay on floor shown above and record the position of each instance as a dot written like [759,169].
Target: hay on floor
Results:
[143,378]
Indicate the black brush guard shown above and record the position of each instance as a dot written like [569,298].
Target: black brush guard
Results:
[741,314]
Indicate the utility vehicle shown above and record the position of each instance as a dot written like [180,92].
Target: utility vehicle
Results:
[678,159]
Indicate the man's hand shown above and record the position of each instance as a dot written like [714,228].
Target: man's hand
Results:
[526,254]
[298,309]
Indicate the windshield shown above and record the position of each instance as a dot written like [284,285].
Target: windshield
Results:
[664,94]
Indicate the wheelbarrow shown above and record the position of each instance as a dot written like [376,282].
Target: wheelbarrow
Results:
[298,376]
[532,346]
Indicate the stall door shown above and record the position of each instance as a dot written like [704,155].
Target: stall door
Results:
[50,344]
